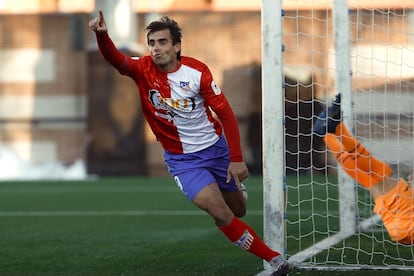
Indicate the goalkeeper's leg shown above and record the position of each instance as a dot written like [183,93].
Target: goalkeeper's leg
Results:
[394,200]
[355,159]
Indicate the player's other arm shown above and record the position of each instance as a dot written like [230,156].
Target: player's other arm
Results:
[106,46]
[237,168]
[231,131]
[217,101]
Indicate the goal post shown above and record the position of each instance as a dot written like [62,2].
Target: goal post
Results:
[315,214]
[347,199]
[272,125]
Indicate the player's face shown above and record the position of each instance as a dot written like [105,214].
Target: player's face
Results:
[163,52]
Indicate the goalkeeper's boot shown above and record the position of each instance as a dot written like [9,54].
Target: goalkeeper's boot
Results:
[280,266]
[329,118]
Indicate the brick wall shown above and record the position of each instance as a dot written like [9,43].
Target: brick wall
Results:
[43,86]
[49,102]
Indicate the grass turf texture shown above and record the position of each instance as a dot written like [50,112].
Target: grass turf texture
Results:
[121,226]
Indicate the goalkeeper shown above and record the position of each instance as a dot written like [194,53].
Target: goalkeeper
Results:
[393,197]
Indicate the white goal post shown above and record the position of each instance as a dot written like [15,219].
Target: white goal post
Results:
[315,214]
[272,125]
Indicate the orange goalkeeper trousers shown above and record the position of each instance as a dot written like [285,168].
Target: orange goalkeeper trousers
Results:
[355,159]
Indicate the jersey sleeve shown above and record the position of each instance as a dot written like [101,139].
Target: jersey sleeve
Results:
[111,54]
[217,101]
[231,131]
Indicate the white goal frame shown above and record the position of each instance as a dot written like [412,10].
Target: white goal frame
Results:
[274,185]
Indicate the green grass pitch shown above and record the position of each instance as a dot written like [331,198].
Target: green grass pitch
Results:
[120,226]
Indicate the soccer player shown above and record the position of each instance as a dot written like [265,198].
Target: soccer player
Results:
[178,95]
[393,197]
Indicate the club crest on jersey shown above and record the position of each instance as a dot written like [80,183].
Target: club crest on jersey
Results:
[215,87]
[185,85]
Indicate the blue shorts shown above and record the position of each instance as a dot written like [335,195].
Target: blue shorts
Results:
[194,171]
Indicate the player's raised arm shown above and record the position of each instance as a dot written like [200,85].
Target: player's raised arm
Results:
[98,24]
[106,46]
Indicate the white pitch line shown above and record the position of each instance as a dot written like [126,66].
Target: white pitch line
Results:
[108,213]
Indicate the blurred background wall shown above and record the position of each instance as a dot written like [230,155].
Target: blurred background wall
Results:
[61,103]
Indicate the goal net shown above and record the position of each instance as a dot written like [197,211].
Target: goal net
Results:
[365,51]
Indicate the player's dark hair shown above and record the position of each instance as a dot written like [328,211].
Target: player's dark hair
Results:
[166,23]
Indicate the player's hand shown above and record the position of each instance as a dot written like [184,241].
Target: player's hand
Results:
[239,171]
[98,24]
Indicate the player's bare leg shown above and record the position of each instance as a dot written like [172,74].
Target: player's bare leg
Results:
[210,199]
[238,232]
[236,202]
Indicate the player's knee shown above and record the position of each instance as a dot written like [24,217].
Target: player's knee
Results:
[222,217]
